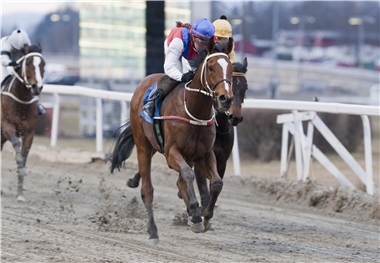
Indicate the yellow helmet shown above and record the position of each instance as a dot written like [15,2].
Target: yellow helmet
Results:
[222,27]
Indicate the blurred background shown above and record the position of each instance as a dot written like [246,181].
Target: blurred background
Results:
[292,46]
[298,50]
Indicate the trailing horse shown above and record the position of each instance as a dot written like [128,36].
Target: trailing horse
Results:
[188,132]
[225,135]
[19,113]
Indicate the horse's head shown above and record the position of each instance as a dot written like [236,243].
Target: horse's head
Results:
[216,75]
[31,70]
[239,86]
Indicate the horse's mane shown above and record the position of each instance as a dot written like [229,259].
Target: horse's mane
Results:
[34,48]
[197,61]
[238,67]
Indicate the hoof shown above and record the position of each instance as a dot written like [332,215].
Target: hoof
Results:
[209,227]
[21,198]
[22,172]
[198,227]
[154,241]
[132,184]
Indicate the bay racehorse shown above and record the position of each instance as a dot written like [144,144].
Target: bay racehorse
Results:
[225,121]
[188,130]
[19,113]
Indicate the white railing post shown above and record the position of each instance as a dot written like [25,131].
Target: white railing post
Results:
[99,125]
[308,142]
[284,150]
[235,154]
[368,154]
[298,144]
[55,121]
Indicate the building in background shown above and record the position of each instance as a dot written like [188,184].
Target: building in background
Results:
[113,51]
[112,38]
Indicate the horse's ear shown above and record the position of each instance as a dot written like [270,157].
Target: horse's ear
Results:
[245,62]
[39,48]
[25,49]
[228,48]
[211,45]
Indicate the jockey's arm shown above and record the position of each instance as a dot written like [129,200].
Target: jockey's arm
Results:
[5,52]
[173,59]
[232,55]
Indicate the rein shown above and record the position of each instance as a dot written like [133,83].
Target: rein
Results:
[23,80]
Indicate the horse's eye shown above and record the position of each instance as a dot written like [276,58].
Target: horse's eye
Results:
[210,68]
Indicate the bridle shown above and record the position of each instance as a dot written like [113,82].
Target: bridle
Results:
[206,91]
[23,79]
[205,84]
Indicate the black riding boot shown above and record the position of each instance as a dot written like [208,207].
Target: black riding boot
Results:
[164,86]
[41,109]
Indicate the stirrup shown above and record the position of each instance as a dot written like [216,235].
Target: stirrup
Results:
[149,108]
[41,109]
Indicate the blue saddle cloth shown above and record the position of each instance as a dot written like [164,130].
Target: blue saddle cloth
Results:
[157,104]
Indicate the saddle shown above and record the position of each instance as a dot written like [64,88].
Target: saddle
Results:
[162,88]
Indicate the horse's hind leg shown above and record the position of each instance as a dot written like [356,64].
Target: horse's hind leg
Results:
[27,141]
[21,172]
[144,162]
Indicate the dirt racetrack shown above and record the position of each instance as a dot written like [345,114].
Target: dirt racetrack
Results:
[82,213]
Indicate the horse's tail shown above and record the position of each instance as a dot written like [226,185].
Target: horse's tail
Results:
[123,147]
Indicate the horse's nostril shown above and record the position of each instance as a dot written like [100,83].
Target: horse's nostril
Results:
[222,98]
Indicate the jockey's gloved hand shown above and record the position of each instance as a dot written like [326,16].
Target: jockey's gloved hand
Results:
[187,76]
[12,64]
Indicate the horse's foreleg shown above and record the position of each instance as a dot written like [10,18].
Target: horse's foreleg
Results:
[3,140]
[202,187]
[208,166]
[185,184]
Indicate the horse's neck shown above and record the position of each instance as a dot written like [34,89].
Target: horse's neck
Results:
[223,124]
[198,104]
[18,89]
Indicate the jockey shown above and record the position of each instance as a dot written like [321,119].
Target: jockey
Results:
[184,41]
[223,32]
[11,51]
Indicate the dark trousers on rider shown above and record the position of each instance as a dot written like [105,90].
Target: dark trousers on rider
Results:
[164,85]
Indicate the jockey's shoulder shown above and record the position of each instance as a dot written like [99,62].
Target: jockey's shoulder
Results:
[5,45]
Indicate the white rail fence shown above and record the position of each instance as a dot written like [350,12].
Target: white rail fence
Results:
[292,123]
